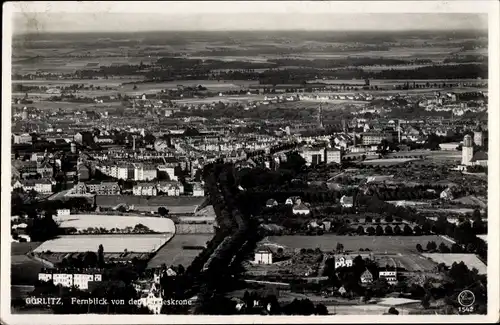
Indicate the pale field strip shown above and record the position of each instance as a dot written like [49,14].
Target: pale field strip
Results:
[471,260]
[84,221]
[111,243]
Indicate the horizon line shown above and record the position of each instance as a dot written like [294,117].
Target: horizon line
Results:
[478,29]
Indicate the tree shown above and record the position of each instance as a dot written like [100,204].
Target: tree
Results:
[340,248]
[162,211]
[379,231]
[419,248]
[397,230]
[360,230]
[370,231]
[321,309]
[426,302]
[368,219]
[455,248]
[443,248]
[407,231]
[393,311]
[431,246]
[100,256]
[388,219]
[42,229]
[90,259]
[417,231]
[388,230]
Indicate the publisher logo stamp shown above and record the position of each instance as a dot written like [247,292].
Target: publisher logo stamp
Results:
[466,298]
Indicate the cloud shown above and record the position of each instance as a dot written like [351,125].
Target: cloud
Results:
[128,22]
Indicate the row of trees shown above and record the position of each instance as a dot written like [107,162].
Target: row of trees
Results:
[463,233]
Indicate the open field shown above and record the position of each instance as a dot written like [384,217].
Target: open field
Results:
[175,204]
[328,243]
[212,85]
[410,262]
[173,252]
[390,82]
[437,156]
[24,270]
[49,105]
[483,237]
[111,81]
[111,243]
[23,248]
[224,99]
[84,221]
[470,260]
[388,161]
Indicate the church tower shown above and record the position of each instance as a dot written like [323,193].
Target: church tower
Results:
[467,150]
[479,136]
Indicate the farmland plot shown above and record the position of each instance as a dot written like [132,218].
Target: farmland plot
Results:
[470,260]
[111,243]
[328,243]
[83,221]
[175,252]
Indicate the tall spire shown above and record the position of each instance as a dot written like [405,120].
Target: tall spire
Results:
[320,116]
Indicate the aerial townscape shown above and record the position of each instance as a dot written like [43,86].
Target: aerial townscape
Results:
[250,173]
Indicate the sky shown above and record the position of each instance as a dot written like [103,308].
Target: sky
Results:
[220,16]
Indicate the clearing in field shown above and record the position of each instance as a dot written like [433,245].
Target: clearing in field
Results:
[387,162]
[471,260]
[84,221]
[328,243]
[111,243]
[409,262]
[177,250]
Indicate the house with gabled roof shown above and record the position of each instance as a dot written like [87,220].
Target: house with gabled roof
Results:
[366,277]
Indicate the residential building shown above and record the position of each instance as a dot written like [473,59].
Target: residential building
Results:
[83,138]
[300,208]
[69,278]
[271,203]
[25,168]
[366,277]
[312,155]
[343,261]
[451,146]
[347,201]
[21,138]
[45,170]
[165,171]
[198,190]
[374,138]
[480,158]
[80,189]
[42,186]
[63,212]
[170,188]
[83,172]
[103,139]
[390,276]
[145,189]
[144,172]
[447,194]
[103,188]
[333,155]
[263,256]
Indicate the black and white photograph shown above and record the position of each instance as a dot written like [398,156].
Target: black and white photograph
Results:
[266,161]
